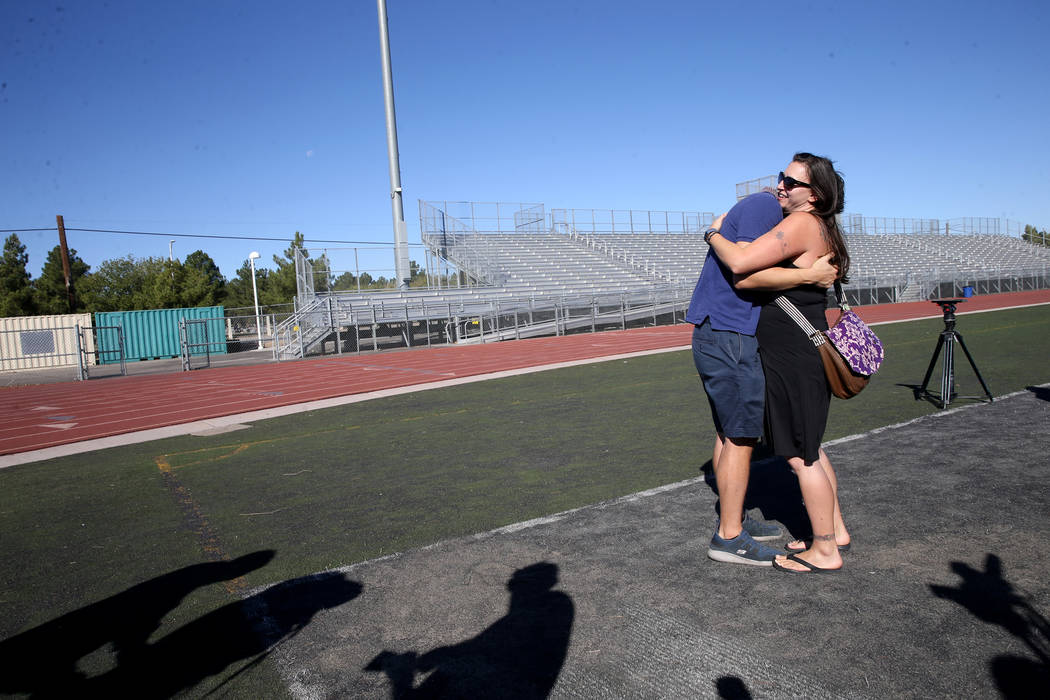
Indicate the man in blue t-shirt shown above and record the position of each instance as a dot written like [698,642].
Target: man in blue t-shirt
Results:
[725,352]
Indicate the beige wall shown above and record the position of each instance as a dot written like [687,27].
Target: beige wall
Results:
[31,342]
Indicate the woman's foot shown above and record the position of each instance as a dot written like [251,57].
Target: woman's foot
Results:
[802,545]
[811,563]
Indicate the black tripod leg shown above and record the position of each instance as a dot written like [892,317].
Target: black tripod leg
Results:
[948,372]
[933,363]
[976,371]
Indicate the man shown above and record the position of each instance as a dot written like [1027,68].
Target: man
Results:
[725,352]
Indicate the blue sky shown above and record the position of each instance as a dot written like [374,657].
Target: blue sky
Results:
[266,118]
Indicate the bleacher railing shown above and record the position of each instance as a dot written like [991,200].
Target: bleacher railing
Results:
[620,221]
[449,237]
[958,226]
[437,217]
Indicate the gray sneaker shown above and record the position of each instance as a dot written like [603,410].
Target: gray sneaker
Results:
[742,549]
[760,531]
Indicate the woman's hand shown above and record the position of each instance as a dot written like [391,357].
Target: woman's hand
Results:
[822,273]
[717,223]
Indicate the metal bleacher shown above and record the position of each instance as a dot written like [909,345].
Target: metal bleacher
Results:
[518,271]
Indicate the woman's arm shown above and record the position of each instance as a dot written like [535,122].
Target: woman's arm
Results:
[790,239]
[822,273]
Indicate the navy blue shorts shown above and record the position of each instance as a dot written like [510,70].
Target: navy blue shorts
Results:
[731,371]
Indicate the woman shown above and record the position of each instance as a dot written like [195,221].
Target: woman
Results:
[811,194]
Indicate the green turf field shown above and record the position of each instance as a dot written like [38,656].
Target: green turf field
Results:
[342,485]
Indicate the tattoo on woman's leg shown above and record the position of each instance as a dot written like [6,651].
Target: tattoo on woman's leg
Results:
[824,538]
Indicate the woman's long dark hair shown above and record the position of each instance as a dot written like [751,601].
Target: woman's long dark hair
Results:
[829,189]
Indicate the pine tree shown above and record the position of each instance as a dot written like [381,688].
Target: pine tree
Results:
[1034,235]
[282,287]
[203,283]
[50,288]
[16,292]
[239,294]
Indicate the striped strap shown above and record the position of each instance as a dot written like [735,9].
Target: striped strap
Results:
[791,310]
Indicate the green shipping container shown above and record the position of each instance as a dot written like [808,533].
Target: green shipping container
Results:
[154,334]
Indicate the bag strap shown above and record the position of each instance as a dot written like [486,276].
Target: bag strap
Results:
[791,310]
[840,297]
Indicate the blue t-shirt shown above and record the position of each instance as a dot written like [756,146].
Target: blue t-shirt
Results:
[714,296]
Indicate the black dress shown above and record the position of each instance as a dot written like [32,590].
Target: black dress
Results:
[797,393]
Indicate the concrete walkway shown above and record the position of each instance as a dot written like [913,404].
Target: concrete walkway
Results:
[945,594]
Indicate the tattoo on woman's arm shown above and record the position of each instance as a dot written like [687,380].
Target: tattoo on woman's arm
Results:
[780,237]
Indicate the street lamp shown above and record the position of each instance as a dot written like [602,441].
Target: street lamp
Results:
[255,293]
[171,254]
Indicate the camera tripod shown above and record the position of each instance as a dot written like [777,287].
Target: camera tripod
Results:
[947,341]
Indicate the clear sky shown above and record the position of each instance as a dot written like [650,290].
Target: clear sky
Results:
[262,118]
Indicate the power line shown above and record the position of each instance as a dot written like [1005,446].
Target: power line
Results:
[192,235]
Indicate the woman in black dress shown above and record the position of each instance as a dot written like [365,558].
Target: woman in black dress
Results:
[811,193]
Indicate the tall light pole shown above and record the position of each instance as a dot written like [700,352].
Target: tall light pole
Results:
[401,263]
[255,293]
[171,252]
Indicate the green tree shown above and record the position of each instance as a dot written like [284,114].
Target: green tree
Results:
[168,284]
[209,286]
[16,292]
[239,293]
[130,284]
[161,284]
[281,288]
[418,274]
[1033,235]
[345,282]
[323,280]
[50,288]
[113,286]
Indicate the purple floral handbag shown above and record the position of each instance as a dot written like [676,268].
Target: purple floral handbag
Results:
[849,351]
[857,343]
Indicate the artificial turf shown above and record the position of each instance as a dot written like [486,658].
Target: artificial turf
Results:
[332,487]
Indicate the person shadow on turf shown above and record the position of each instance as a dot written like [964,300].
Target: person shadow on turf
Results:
[518,656]
[994,600]
[104,649]
[1041,392]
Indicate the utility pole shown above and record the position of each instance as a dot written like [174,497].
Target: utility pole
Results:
[70,299]
[401,265]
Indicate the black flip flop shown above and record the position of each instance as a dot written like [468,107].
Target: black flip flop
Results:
[810,568]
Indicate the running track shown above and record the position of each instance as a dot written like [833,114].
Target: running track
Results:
[50,415]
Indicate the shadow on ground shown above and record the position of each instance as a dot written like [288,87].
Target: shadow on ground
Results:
[1040,392]
[111,637]
[732,688]
[773,490]
[518,656]
[994,600]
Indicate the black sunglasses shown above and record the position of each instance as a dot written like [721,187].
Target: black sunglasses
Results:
[791,183]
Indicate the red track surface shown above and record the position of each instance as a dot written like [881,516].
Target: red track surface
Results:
[35,417]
